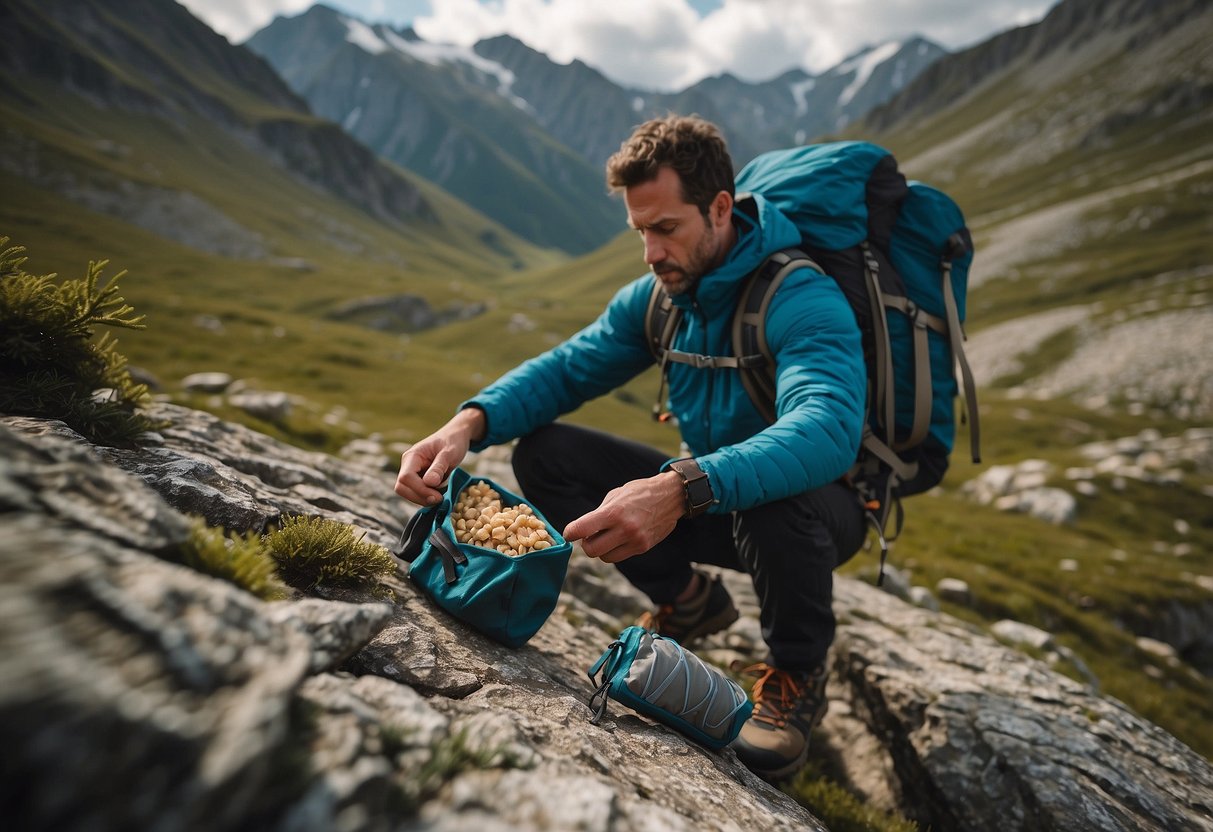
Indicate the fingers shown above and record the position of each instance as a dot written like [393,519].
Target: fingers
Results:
[602,539]
[411,485]
[586,526]
[436,474]
[610,547]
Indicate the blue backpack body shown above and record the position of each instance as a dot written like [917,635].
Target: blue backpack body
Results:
[900,252]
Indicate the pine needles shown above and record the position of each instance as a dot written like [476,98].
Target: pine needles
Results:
[52,366]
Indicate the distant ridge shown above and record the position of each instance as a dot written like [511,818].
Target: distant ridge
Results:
[154,57]
[523,138]
[448,117]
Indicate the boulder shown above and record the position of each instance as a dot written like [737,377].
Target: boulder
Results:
[139,694]
[272,405]
[206,382]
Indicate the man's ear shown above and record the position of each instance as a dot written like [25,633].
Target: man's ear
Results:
[721,209]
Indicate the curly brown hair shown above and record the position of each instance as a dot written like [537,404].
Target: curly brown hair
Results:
[692,146]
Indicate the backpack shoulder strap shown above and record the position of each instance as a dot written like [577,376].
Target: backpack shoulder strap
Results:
[756,362]
[957,336]
[660,321]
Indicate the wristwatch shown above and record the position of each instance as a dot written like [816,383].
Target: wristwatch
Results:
[695,485]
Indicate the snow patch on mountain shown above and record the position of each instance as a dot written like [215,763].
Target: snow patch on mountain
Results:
[800,91]
[363,36]
[436,54]
[863,66]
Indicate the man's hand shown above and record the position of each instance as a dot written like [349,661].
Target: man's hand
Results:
[632,518]
[425,466]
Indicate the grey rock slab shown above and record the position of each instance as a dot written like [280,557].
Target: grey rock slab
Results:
[47,467]
[137,694]
[240,479]
[205,701]
[982,738]
[336,629]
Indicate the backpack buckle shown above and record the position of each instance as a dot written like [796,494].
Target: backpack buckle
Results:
[912,311]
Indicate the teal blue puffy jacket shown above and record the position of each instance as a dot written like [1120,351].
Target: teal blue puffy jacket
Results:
[820,376]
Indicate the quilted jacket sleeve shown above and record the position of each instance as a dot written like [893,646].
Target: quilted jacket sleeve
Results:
[820,390]
[594,361]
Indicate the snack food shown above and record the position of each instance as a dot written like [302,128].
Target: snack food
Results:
[480,520]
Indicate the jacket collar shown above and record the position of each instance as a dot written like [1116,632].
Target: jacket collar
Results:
[761,230]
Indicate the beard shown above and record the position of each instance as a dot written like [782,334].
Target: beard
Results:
[678,278]
[676,281]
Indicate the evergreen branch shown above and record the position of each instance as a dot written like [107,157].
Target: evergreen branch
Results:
[50,363]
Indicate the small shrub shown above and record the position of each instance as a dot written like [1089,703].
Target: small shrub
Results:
[316,550]
[451,756]
[51,365]
[239,559]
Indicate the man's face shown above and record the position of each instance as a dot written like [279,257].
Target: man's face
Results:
[680,244]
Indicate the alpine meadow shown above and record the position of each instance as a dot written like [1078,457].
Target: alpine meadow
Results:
[349,231]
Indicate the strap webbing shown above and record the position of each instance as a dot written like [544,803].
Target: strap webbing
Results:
[883,383]
[450,553]
[749,325]
[664,315]
[905,471]
[957,335]
[912,310]
[423,521]
[732,362]
[922,385]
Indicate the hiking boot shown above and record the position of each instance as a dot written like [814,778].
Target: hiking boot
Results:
[709,611]
[774,742]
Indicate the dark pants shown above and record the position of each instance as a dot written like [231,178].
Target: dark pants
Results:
[789,547]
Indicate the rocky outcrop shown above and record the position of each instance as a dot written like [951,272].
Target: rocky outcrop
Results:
[139,694]
[1067,26]
[402,313]
[1021,487]
[979,738]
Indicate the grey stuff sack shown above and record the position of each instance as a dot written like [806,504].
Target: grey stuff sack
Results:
[659,678]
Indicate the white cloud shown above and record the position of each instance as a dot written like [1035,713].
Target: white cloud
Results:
[665,44]
[237,20]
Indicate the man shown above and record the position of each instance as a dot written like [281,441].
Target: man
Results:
[766,499]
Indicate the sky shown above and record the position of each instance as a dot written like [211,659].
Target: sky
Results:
[666,45]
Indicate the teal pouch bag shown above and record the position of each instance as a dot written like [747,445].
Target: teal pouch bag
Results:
[506,597]
[661,679]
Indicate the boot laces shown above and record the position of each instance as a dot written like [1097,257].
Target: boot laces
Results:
[776,693]
[653,620]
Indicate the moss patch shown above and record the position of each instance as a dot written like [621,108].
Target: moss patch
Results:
[315,550]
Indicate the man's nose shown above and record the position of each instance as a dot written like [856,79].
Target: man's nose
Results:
[654,251]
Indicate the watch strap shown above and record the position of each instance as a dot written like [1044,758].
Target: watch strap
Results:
[697,488]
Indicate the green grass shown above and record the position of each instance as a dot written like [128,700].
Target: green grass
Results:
[837,808]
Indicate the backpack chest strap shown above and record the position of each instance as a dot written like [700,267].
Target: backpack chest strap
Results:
[714,361]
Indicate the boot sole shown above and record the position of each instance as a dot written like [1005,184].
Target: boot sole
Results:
[779,775]
[784,773]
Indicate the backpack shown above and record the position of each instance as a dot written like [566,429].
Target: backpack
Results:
[901,253]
